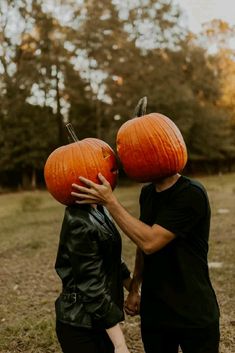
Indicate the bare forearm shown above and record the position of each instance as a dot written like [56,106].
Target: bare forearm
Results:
[138,271]
[148,239]
[127,283]
[116,336]
[136,230]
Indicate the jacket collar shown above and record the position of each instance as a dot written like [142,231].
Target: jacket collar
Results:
[99,216]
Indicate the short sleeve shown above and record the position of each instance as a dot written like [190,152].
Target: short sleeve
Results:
[184,212]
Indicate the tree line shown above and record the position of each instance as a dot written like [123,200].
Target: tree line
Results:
[89,62]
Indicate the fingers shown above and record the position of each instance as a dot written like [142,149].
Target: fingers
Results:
[87,201]
[81,188]
[131,311]
[81,195]
[103,180]
[93,185]
[87,182]
[90,183]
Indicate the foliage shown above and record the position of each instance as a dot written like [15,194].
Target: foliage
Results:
[91,67]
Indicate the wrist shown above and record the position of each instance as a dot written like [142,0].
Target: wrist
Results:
[120,345]
[127,283]
[135,286]
[111,202]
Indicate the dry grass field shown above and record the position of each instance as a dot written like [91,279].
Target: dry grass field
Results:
[29,228]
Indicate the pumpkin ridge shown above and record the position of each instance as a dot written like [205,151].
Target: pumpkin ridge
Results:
[57,170]
[180,144]
[73,155]
[160,138]
[84,160]
[154,148]
[129,143]
[92,156]
[137,137]
[168,136]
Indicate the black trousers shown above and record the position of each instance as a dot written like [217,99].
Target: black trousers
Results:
[81,340]
[197,340]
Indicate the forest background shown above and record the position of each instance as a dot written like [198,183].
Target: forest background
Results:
[89,62]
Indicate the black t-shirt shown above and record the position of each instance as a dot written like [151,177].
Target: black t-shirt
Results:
[176,289]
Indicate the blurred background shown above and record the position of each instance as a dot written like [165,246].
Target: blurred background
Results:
[88,62]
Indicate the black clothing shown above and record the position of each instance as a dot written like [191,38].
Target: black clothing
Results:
[176,289]
[90,267]
[76,339]
[192,340]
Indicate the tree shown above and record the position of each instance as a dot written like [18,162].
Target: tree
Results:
[22,126]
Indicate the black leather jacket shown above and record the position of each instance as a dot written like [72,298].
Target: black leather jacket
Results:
[90,267]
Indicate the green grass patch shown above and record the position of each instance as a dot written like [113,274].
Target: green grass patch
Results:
[29,233]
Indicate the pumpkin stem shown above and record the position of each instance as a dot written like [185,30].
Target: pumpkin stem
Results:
[72,132]
[140,109]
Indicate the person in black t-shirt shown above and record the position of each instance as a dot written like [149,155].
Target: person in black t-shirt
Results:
[178,305]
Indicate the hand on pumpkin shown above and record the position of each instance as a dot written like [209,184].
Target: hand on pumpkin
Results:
[92,192]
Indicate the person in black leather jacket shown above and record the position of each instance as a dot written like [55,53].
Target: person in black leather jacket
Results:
[90,306]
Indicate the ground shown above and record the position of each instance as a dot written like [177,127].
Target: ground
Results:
[29,228]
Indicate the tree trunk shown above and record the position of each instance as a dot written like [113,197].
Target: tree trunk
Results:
[62,140]
[25,181]
[33,179]
[98,120]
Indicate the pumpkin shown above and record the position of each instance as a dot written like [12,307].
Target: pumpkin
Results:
[86,158]
[150,146]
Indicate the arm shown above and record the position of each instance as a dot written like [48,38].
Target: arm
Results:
[148,239]
[87,267]
[133,299]
[127,283]
[89,275]
[138,271]
[116,336]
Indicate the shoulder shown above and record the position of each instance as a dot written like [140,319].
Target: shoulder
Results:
[81,234]
[77,214]
[79,221]
[195,188]
[193,194]
[146,189]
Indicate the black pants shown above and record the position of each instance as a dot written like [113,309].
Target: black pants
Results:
[198,340]
[80,340]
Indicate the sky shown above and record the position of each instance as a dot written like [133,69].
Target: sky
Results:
[201,11]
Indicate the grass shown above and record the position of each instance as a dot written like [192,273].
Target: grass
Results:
[29,227]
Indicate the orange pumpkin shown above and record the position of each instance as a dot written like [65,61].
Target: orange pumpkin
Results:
[85,158]
[150,146]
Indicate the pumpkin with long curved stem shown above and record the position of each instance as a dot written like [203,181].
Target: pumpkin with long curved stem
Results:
[150,146]
[85,158]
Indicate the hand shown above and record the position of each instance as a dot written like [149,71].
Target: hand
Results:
[121,349]
[132,303]
[93,193]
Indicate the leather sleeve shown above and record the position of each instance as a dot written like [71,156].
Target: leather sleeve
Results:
[89,274]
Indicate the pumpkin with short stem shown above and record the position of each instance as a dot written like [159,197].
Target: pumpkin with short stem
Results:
[150,146]
[85,158]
